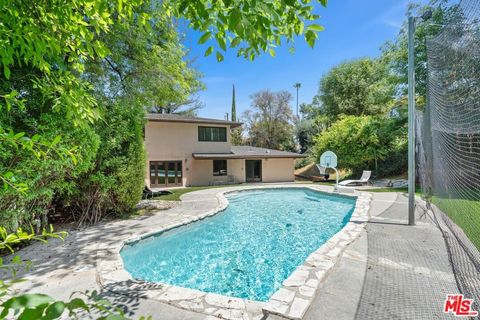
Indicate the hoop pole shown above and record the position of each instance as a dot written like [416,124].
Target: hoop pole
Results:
[411,122]
[336,176]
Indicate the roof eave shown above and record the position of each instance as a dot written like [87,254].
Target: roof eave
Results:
[256,156]
[222,123]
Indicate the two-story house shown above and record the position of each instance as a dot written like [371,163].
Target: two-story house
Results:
[190,151]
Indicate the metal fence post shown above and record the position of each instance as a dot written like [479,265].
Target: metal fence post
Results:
[411,121]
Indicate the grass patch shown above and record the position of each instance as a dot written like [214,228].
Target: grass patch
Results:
[417,190]
[177,193]
[386,190]
[465,213]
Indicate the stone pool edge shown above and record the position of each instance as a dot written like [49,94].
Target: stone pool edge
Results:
[291,301]
[299,289]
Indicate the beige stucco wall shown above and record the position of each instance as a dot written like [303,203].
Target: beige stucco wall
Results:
[201,172]
[166,141]
[236,167]
[278,170]
[273,170]
[171,141]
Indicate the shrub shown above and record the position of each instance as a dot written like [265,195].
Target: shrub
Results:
[115,182]
[364,142]
[358,87]
[44,176]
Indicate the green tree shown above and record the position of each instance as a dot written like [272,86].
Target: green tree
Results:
[148,64]
[248,26]
[55,40]
[306,130]
[114,183]
[47,171]
[144,67]
[360,142]
[236,136]
[234,107]
[312,123]
[358,87]
[237,133]
[311,110]
[269,121]
[395,53]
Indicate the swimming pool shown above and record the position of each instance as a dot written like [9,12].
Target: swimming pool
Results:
[247,250]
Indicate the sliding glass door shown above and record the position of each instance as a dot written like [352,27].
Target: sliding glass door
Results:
[253,170]
[164,174]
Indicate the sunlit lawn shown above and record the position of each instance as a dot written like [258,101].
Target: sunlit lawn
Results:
[417,190]
[465,213]
[177,193]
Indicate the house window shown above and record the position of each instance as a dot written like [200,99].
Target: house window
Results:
[212,134]
[219,167]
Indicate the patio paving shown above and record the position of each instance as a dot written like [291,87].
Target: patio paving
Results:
[390,271]
[393,271]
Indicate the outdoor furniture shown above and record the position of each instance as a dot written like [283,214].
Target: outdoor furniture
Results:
[149,193]
[230,179]
[362,181]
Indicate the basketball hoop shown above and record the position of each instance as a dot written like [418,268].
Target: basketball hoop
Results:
[328,159]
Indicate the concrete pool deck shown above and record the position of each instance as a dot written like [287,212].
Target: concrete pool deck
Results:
[62,268]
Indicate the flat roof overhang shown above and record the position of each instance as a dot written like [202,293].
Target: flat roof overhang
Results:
[232,124]
[215,156]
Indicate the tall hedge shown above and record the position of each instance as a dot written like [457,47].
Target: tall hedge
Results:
[45,177]
[107,178]
[114,183]
[366,143]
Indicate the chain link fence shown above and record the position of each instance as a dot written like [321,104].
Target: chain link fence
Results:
[448,143]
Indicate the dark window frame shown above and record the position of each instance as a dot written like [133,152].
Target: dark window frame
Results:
[212,134]
[222,170]
[156,177]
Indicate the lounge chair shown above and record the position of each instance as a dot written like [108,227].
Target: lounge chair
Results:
[149,193]
[362,181]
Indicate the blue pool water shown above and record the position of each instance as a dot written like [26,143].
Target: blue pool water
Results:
[245,251]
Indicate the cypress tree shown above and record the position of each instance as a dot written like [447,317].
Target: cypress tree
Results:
[234,108]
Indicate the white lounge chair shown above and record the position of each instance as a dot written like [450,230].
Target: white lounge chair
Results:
[363,179]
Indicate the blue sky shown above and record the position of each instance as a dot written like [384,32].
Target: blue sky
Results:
[353,29]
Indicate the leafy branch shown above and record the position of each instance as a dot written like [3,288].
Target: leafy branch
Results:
[36,145]
[248,26]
